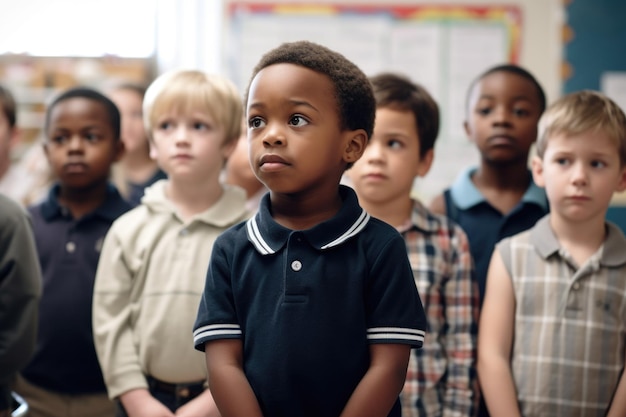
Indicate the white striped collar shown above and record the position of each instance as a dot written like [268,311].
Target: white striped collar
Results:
[268,237]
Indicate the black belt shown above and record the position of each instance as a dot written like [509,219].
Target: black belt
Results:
[186,391]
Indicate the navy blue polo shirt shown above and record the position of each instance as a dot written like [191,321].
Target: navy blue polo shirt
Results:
[65,358]
[307,304]
[484,224]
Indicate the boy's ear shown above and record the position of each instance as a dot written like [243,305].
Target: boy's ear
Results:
[425,163]
[537,168]
[15,137]
[355,145]
[120,149]
[153,151]
[621,185]
[466,128]
[229,148]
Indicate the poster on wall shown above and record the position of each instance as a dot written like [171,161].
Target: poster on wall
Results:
[441,47]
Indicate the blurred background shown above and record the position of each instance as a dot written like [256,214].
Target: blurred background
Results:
[47,46]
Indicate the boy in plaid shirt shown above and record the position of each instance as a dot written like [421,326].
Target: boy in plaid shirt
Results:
[441,377]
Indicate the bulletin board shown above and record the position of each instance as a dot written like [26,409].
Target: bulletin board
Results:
[441,47]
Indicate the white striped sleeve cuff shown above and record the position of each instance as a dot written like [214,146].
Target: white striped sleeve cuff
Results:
[216,331]
[396,335]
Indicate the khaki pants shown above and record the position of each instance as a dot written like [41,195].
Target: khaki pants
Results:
[44,403]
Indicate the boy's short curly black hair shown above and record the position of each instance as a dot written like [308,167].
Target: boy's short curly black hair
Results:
[511,69]
[88,93]
[355,99]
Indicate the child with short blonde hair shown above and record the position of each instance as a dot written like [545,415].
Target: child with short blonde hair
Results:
[552,332]
[154,260]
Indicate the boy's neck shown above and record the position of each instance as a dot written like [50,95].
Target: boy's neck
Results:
[394,212]
[296,213]
[580,240]
[193,198]
[84,200]
[514,176]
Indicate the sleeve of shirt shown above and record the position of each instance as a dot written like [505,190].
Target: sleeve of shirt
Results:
[113,333]
[20,289]
[461,315]
[217,299]
[396,314]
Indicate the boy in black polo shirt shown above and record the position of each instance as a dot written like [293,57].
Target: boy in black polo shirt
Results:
[310,308]
[82,130]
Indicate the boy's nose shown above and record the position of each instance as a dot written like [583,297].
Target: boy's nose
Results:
[501,115]
[181,135]
[274,136]
[373,152]
[75,143]
[579,174]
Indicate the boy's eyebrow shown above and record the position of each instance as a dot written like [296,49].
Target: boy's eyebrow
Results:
[492,97]
[294,102]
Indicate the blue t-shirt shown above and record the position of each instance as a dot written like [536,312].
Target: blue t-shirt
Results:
[485,225]
[307,305]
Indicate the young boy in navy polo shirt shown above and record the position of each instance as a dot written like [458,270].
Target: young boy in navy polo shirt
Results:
[82,129]
[310,308]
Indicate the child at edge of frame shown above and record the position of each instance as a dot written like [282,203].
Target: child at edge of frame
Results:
[82,142]
[310,308]
[553,327]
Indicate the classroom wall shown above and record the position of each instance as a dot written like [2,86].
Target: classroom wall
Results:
[541,49]
[447,79]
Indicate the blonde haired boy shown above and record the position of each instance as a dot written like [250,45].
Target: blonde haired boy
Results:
[552,333]
[154,260]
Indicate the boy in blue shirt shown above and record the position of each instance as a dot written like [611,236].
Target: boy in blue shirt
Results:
[82,129]
[498,198]
[310,308]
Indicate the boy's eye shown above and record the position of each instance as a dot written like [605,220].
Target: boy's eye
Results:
[255,123]
[297,120]
[562,161]
[521,112]
[92,137]
[200,126]
[394,144]
[58,139]
[484,111]
[164,125]
[598,164]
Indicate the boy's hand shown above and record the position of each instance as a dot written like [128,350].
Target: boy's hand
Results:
[201,406]
[140,403]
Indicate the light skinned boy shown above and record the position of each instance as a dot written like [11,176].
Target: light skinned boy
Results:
[310,307]
[154,260]
[82,141]
[552,332]
[441,378]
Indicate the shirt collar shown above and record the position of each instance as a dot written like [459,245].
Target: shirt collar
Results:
[546,242]
[268,237]
[421,219]
[112,207]
[466,195]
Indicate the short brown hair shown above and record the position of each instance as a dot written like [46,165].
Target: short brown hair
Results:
[580,112]
[398,92]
